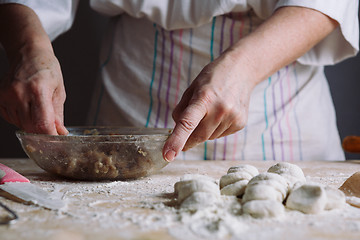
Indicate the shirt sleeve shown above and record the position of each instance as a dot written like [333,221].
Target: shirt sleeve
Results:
[56,16]
[343,42]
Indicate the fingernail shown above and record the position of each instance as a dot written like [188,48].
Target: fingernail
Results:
[170,155]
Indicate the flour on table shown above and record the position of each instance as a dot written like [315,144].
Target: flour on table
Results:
[200,200]
[263,208]
[103,210]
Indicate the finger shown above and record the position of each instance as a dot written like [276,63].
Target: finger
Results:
[58,103]
[229,125]
[24,117]
[43,116]
[60,128]
[230,131]
[202,133]
[188,121]
[219,131]
[183,103]
[210,127]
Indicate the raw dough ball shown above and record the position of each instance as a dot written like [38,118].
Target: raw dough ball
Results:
[269,186]
[315,197]
[263,208]
[261,192]
[233,177]
[196,191]
[335,198]
[197,177]
[253,171]
[236,179]
[188,177]
[235,189]
[185,188]
[290,172]
[308,198]
[200,200]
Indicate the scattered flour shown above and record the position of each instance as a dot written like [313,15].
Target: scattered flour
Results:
[146,206]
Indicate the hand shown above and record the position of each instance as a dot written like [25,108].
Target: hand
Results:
[215,105]
[32,94]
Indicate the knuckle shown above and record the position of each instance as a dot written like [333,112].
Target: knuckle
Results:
[16,91]
[63,99]
[187,124]
[35,87]
[205,96]
[223,110]
[60,94]
[238,123]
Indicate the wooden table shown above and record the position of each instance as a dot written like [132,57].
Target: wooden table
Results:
[142,209]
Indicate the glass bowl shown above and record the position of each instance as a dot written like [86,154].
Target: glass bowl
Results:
[98,153]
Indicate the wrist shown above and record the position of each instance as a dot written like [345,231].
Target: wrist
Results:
[242,65]
[21,31]
[29,50]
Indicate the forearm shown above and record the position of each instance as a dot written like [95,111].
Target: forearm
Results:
[216,103]
[284,37]
[32,93]
[21,31]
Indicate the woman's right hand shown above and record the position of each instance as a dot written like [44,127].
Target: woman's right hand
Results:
[32,94]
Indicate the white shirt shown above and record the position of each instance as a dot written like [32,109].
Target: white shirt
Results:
[153,50]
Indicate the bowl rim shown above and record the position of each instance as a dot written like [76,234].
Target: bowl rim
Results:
[136,130]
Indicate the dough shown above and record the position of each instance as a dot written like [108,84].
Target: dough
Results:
[195,192]
[197,177]
[200,200]
[236,179]
[188,177]
[291,172]
[261,192]
[315,198]
[335,198]
[235,189]
[269,180]
[253,171]
[287,168]
[308,198]
[263,208]
[233,177]
[185,188]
